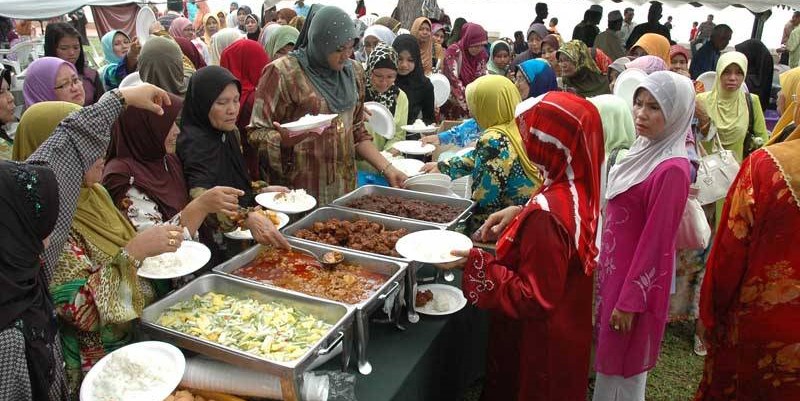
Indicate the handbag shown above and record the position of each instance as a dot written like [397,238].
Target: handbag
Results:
[715,173]
[694,232]
[750,144]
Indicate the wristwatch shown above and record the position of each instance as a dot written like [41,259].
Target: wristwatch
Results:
[120,97]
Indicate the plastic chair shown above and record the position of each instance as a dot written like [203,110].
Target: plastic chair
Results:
[21,55]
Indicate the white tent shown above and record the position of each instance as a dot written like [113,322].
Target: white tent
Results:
[44,9]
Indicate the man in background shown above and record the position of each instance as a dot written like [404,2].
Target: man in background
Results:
[627,26]
[708,55]
[651,26]
[174,10]
[541,13]
[553,27]
[587,30]
[608,40]
[787,30]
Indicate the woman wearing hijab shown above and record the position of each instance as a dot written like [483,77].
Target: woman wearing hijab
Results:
[760,68]
[380,87]
[412,81]
[787,106]
[536,34]
[614,69]
[439,34]
[726,108]
[372,36]
[648,64]
[579,73]
[182,28]
[70,151]
[749,300]
[465,62]
[281,42]
[252,27]
[121,57]
[211,26]
[499,58]
[62,40]
[550,45]
[651,44]
[210,151]
[28,333]
[161,64]
[539,286]
[266,33]
[455,34]
[501,173]
[432,53]
[241,19]
[51,78]
[7,106]
[318,77]
[245,59]
[646,195]
[220,41]
[389,22]
[285,15]
[191,53]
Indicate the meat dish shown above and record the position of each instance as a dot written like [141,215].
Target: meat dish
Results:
[361,235]
[409,208]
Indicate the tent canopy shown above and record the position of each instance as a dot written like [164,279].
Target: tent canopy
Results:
[756,6]
[45,9]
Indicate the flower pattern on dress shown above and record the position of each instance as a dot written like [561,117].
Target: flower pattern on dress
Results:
[647,282]
[778,287]
[482,283]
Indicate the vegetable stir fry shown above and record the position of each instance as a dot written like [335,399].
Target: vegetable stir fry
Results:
[270,330]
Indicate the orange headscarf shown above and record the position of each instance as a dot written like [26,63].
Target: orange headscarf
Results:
[655,45]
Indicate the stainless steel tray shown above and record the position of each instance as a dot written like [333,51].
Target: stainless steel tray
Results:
[339,315]
[393,271]
[390,222]
[465,205]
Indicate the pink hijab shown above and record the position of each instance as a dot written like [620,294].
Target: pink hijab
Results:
[177,26]
[648,64]
[471,66]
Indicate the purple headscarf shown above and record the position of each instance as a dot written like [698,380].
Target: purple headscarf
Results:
[648,64]
[40,80]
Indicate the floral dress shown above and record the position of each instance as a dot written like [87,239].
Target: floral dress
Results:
[498,179]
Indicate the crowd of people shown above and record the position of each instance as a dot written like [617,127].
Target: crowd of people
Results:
[583,187]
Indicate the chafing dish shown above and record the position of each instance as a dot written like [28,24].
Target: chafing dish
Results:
[340,316]
[393,271]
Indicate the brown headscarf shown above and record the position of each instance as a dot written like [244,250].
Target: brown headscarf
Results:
[428,49]
[286,14]
[137,157]
[389,22]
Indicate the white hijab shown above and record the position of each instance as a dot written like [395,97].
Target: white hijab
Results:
[381,32]
[675,95]
[221,40]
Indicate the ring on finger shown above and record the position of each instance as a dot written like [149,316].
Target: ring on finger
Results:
[174,234]
[172,242]
[616,328]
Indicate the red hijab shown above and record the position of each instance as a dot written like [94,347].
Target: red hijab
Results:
[471,66]
[563,135]
[137,157]
[245,59]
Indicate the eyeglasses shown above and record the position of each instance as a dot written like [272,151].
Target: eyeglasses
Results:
[71,82]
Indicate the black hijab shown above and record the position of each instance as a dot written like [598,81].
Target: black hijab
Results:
[417,87]
[29,207]
[210,157]
[759,69]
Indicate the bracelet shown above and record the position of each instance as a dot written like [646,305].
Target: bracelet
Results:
[118,94]
[389,164]
[136,263]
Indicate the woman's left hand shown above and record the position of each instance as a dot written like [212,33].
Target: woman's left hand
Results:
[264,232]
[395,177]
[621,321]
[430,167]
[458,264]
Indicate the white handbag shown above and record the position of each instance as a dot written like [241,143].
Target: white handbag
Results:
[715,173]
[694,232]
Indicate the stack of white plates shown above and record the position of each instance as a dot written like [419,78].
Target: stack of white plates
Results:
[433,179]
[462,187]
[432,189]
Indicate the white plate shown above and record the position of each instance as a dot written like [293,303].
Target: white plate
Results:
[267,200]
[414,147]
[432,246]
[309,122]
[441,89]
[708,78]
[409,167]
[464,151]
[144,20]
[435,189]
[246,235]
[193,254]
[428,129]
[457,299]
[432,178]
[159,353]
[131,79]
[626,84]
[381,120]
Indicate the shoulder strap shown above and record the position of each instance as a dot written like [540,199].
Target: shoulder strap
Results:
[750,116]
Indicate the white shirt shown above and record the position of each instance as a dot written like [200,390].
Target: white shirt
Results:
[625,32]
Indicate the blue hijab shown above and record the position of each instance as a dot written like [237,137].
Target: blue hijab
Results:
[540,76]
[108,46]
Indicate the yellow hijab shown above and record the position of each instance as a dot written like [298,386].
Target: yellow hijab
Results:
[99,221]
[790,84]
[492,99]
[728,109]
[37,124]
[655,45]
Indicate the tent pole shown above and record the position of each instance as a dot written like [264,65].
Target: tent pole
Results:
[758,23]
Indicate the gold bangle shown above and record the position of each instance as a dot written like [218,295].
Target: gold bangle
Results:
[388,164]
[135,262]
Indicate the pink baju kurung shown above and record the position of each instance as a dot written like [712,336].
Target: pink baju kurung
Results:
[637,257]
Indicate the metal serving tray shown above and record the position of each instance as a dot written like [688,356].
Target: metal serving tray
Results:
[465,205]
[338,315]
[392,270]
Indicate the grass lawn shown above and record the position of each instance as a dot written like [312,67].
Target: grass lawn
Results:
[676,376]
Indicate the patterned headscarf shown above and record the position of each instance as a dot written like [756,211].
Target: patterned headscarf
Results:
[383,56]
[588,80]
[563,135]
[648,64]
